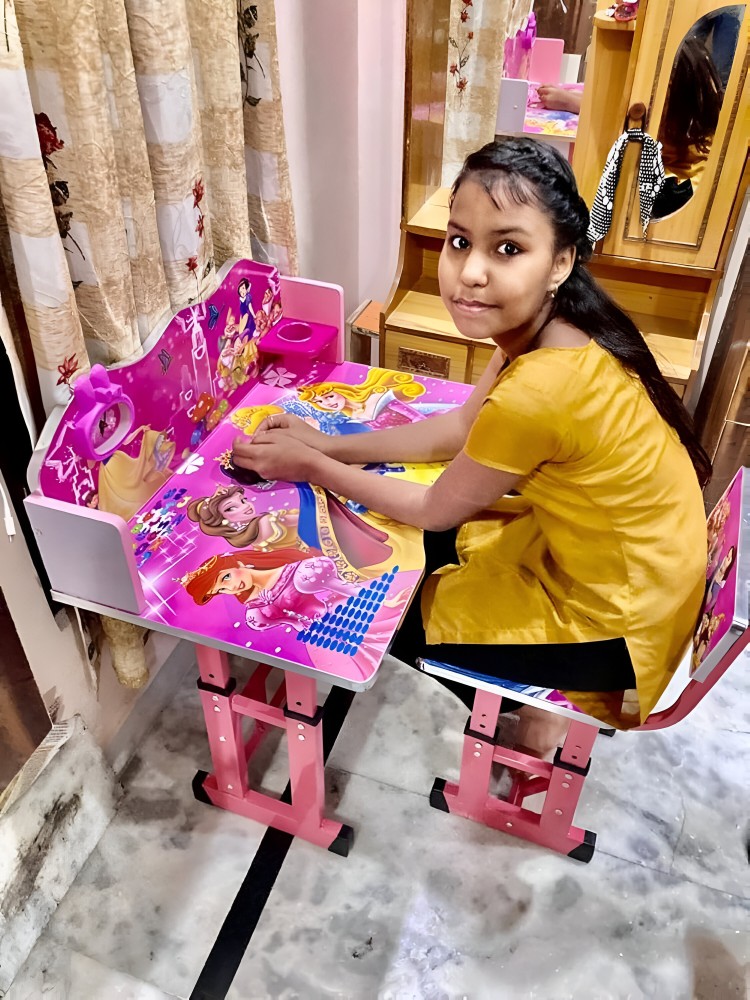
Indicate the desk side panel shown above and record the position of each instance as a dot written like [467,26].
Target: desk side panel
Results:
[87,554]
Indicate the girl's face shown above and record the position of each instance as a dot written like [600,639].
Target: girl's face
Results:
[236,508]
[498,265]
[234,581]
[331,401]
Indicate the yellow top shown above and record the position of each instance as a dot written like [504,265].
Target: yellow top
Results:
[607,538]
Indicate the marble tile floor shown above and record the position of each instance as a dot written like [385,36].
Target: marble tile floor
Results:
[427,906]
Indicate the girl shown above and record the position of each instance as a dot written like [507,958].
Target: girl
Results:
[279,588]
[574,472]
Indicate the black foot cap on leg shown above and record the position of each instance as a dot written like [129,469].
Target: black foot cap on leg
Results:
[437,795]
[607,732]
[585,851]
[198,790]
[343,843]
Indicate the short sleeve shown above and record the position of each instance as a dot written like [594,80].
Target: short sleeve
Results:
[517,429]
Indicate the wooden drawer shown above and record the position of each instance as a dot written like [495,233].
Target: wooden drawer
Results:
[434,357]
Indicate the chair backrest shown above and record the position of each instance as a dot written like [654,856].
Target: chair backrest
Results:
[722,631]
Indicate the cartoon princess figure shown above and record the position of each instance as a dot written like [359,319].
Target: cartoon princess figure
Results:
[320,522]
[379,401]
[275,588]
[718,580]
[126,481]
[229,514]
[703,636]
[237,356]
[715,529]
[247,313]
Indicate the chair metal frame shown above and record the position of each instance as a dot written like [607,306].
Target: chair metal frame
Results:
[562,780]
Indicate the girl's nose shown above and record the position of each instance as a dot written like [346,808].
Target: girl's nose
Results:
[474,271]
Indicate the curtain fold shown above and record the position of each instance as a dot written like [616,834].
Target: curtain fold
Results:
[141,145]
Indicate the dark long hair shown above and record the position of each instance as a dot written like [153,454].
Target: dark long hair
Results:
[532,172]
[694,99]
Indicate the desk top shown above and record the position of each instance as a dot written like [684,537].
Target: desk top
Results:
[288,572]
[284,572]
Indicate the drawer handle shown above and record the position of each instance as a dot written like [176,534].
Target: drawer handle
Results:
[422,363]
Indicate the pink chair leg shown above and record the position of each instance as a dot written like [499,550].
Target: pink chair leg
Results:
[561,783]
[467,798]
[565,786]
[302,720]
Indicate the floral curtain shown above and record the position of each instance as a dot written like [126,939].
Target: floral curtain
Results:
[141,145]
[478,29]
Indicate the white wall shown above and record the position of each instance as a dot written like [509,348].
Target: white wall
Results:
[342,83]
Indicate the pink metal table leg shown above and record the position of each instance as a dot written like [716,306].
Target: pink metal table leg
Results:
[301,718]
[224,727]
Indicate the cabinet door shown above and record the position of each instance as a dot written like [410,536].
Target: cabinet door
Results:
[691,74]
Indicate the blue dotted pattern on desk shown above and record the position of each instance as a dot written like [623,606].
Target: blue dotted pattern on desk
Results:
[344,629]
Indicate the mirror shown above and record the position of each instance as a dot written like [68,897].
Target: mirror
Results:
[694,99]
[530,83]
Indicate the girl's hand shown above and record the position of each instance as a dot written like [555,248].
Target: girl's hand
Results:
[284,424]
[276,455]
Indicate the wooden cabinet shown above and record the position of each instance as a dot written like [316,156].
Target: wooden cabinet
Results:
[693,235]
[666,280]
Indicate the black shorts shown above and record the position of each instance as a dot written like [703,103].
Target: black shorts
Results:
[603,665]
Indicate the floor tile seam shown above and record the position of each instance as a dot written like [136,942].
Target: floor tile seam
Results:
[672,874]
[110,967]
[379,781]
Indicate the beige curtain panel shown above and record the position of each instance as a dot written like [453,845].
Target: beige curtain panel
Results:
[141,145]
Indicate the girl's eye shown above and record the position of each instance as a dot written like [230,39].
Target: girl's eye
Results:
[459,242]
[508,249]
[225,578]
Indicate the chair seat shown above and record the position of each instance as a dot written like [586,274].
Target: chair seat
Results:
[548,698]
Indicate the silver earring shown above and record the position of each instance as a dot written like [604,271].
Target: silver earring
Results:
[553,291]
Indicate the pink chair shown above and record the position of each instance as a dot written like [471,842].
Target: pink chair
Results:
[721,635]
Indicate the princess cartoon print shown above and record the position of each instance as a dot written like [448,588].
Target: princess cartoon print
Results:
[321,520]
[229,514]
[237,357]
[279,588]
[381,400]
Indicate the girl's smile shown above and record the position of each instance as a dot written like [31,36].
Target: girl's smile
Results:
[472,307]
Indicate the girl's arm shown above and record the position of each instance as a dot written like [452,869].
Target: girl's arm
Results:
[463,489]
[435,439]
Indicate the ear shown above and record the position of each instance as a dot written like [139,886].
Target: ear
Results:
[563,265]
